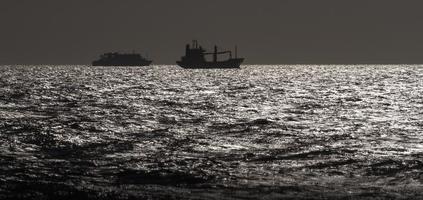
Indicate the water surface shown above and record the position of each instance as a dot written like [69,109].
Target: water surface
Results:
[260,132]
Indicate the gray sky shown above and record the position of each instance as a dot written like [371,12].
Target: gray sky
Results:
[266,31]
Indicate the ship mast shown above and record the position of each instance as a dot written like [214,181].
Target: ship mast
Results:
[215,54]
[195,44]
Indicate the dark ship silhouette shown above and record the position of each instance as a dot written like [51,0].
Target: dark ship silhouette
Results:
[121,59]
[195,58]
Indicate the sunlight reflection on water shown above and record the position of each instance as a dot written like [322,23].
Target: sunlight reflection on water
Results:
[301,128]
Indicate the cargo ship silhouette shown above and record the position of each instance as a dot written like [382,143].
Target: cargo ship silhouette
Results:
[195,58]
[121,59]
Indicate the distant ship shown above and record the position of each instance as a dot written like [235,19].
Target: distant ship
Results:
[119,59]
[195,58]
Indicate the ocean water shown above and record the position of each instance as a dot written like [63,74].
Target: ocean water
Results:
[260,132]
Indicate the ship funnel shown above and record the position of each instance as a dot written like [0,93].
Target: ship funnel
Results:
[236,51]
[187,48]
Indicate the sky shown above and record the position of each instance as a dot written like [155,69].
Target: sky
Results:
[265,31]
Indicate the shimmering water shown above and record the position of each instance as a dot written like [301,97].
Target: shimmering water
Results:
[260,132]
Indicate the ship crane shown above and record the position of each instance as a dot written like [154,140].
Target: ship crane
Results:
[219,53]
[215,53]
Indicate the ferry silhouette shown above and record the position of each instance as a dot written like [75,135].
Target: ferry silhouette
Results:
[120,59]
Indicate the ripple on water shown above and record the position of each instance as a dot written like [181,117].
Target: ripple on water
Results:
[257,132]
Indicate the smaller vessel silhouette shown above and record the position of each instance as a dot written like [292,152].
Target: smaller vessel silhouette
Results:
[121,59]
[195,58]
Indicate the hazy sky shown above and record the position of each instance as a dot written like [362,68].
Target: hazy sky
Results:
[266,31]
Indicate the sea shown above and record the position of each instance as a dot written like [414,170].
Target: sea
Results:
[259,132]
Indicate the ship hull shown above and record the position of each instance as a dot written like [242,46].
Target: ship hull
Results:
[232,63]
[102,63]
